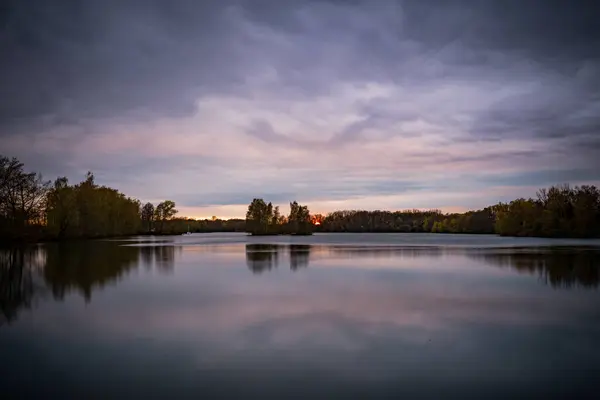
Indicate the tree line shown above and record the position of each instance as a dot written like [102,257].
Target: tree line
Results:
[559,211]
[32,208]
[265,219]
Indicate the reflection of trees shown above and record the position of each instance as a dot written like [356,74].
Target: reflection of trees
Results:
[147,256]
[84,266]
[261,257]
[16,283]
[161,257]
[559,268]
[81,266]
[299,256]
[164,258]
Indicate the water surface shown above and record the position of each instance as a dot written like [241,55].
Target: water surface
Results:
[327,316]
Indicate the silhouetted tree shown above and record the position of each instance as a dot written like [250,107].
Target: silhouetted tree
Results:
[22,199]
[260,217]
[61,212]
[299,220]
[88,210]
[147,216]
[164,211]
[380,221]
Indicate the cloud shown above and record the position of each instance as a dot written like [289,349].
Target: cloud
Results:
[212,102]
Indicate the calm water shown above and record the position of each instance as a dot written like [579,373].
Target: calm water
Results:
[329,316]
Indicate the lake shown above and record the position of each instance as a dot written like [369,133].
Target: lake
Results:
[327,316]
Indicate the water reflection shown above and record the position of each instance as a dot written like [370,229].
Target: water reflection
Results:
[299,256]
[264,257]
[460,325]
[16,282]
[88,266]
[82,267]
[559,268]
[161,257]
[391,251]
[85,266]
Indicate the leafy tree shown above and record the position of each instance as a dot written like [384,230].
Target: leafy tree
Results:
[259,217]
[61,213]
[164,211]
[276,216]
[299,220]
[147,215]
[559,211]
[89,210]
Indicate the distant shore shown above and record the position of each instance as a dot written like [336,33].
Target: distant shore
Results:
[33,209]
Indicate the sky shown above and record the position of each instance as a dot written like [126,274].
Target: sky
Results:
[354,104]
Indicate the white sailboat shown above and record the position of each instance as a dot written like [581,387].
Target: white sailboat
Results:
[188,231]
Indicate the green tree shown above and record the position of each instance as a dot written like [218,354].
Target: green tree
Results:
[88,210]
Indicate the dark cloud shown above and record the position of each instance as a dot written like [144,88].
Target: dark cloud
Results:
[75,60]
[80,59]
[541,30]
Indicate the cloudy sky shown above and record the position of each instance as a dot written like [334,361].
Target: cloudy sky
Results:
[374,104]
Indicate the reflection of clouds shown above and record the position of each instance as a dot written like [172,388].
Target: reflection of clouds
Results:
[444,323]
[387,326]
[433,308]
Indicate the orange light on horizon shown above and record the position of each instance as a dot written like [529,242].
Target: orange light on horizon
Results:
[316,219]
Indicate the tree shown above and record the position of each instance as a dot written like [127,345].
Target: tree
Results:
[164,211]
[276,216]
[299,219]
[22,198]
[147,215]
[259,217]
[88,210]
[61,213]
